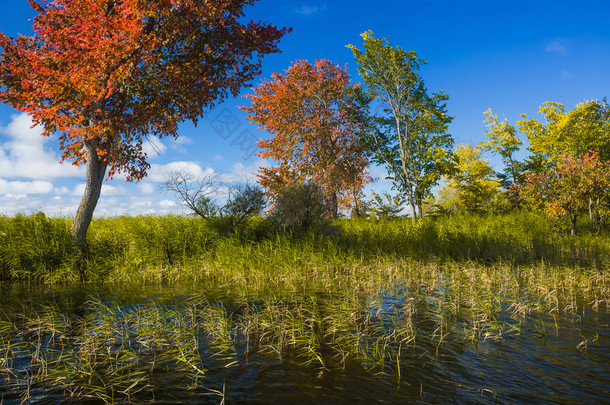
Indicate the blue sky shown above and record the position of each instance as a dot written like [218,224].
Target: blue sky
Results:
[510,56]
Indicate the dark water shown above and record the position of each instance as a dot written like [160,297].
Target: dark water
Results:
[568,363]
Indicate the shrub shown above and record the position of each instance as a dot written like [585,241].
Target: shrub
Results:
[248,200]
[301,206]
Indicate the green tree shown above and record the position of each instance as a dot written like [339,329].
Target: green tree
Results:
[575,132]
[502,139]
[472,185]
[409,137]
[390,208]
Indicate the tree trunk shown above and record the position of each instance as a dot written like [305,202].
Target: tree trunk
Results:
[413,210]
[573,220]
[96,170]
[334,205]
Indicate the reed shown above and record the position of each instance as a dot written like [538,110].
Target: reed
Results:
[370,293]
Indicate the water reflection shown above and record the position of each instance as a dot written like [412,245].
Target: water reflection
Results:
[195,344]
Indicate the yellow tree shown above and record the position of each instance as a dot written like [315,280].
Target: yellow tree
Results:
[473,182]
[502,139]
[575,132]
[313,113]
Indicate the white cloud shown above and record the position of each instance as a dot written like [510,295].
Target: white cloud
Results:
[159,173]
[146,188]
[61,190]
[242,173]
[308,10]
[107,190]
[556,47]
[153,147]
[25,187]
[178,144]
[26,156]
[11,204]
[168,204]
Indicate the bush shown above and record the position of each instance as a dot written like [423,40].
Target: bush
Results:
[249,200]
[301,206]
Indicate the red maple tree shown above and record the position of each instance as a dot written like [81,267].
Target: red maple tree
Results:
[105,74]
[313,113]
[567,188]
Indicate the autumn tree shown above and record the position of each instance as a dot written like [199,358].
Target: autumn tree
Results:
[411,138]
[312,112]
[472,184]
[565,188]
[105,74]
[575,132]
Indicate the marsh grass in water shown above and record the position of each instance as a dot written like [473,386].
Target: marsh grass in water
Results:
[383,297]
[115,352]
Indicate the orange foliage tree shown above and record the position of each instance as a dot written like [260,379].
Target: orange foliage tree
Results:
[105,74]
[568,186]
[314,114]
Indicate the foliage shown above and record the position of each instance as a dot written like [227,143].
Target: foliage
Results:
[300,206]
[472,184]
[245,201]
[503,140]
[391,208]
[312,112]
[107,74]
[502,202]
[206,207]
[409,137]
[567,187]
[576,132]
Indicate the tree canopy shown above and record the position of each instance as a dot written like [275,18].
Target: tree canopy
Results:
[566,188]
[105,74]
[313,112]
[473,181]
[410,137]
[575,132]
[502,139]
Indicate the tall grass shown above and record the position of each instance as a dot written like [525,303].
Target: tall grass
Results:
[176,249]
[372,293]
